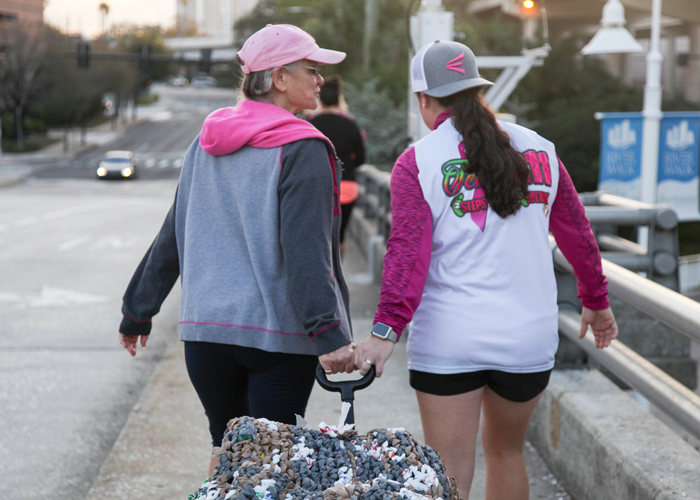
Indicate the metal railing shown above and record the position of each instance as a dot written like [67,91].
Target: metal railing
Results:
[660,261]
[674,310]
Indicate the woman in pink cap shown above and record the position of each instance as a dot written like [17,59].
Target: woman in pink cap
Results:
[253,236]
[469,262]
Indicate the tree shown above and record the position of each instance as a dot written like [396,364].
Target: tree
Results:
[104,11]
[22,61]
[131,38]
[72,95]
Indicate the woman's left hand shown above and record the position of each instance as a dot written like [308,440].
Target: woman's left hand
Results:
[602,323]
[129,342]
[373,351]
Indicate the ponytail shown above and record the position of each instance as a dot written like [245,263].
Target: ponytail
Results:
[502,171]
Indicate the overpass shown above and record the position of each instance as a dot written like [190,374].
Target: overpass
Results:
[612,424]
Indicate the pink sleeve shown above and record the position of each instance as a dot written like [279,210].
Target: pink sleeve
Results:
[572,231]
[408,249]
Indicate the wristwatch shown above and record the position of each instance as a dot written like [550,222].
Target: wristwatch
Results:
[384,332]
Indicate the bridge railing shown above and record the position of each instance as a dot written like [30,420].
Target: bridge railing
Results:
[655,298]
[674,310]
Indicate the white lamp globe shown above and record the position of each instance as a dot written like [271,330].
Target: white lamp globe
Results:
[612,37]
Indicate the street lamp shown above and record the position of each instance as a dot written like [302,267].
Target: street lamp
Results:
[616,43]
[612,37]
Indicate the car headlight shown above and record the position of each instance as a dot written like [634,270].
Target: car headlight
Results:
[101,171]
[126,172]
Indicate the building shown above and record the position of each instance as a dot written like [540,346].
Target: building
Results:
[680,35]
[16,11]
[215,18]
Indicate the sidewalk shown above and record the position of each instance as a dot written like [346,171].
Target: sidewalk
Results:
[163,451]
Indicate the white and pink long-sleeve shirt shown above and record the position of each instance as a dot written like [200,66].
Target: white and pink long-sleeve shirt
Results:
[481,289]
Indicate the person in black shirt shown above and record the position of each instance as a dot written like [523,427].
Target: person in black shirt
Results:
[341,129]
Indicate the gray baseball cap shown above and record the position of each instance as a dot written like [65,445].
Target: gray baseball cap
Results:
[444,68]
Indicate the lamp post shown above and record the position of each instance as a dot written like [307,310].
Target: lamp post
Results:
[612,37]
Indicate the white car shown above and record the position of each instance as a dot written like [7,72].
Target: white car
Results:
[117,165]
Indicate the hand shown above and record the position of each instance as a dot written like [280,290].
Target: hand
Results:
[374,349]
[602,323]
[129,342]
[340,360]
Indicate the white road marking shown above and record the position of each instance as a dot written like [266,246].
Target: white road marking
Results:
[112,242]
[150,163]
[51,297]
[177,163]
[162,116]
[55,215]
[73,243]
[10,297]
[26,222]
[163,163]
[75,210]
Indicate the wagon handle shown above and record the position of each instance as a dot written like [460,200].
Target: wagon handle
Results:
[346,388]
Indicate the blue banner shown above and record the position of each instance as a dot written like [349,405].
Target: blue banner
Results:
[679,149]
[621,154]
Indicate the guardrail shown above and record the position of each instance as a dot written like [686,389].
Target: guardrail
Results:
[676,311]
[660,261]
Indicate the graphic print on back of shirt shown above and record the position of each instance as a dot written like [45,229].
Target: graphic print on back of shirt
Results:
[455,177]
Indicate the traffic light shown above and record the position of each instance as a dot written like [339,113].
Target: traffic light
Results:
[528,4]
[530,8]
[205,61]
[145,58]
[83,54]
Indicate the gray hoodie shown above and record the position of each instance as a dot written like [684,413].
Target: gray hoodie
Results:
[253,233]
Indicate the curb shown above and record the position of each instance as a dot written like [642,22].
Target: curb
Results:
[602,444]
[10,181]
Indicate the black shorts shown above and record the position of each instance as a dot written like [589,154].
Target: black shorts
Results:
[516,387]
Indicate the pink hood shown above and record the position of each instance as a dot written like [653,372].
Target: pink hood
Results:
[252,123]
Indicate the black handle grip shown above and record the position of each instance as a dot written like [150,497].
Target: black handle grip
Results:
[346,388]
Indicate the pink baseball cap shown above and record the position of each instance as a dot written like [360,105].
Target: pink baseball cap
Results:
[279,44]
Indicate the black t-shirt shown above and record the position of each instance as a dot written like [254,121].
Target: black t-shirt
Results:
[346,137]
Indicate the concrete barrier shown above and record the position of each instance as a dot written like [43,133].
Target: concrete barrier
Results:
[603,445]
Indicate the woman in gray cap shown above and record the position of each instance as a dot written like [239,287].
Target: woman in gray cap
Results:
[469,262]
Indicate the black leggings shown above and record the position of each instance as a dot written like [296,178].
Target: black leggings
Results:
[233,381]
[345,212]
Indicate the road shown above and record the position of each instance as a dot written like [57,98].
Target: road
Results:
[68,246]
[159,140]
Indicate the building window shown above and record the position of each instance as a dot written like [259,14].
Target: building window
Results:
[7,18]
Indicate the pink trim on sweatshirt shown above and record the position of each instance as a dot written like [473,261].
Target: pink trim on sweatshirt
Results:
[572,232]
[324,329]
[228,325]
[409,247]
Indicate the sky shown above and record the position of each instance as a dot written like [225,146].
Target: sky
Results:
[83,16]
